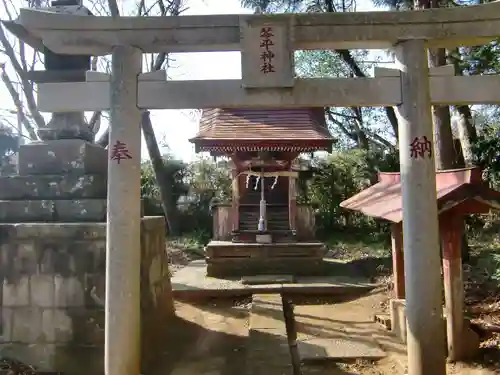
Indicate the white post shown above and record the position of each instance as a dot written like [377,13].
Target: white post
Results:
[123,253]
[262,205]
[424,286]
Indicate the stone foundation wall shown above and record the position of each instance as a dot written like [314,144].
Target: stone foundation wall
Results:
[52,300]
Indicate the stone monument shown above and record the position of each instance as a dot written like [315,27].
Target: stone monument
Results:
[53,247]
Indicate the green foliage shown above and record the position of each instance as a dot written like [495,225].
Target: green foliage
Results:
[340,176]
[209,182]
[483,59]
[487,152]
[200,184]
[150,192]
[195,187]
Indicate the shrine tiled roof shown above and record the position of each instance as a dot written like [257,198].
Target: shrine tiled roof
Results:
[271,125]
[455,189]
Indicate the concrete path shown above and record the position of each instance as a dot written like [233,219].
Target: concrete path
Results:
[192,283]
[223,339]
[267,347]
[336,332]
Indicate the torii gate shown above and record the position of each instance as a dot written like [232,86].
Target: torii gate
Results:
[267,43]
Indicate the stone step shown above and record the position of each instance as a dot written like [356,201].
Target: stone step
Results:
[278,235]
[69,186]
[62,157]
[244,266]
[269,213]
[271,226]
[76,210]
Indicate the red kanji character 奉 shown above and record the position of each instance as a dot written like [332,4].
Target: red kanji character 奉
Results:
[267,68]
[267,56]
[266,32]
[120,152]
[419,147]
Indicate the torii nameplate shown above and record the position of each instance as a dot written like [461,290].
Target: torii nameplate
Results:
[267,54]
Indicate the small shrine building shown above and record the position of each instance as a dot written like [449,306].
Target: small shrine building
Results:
[263,230]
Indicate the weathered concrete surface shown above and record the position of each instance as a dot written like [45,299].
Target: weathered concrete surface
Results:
[123,312]
[337,349]
[267,279]
[53,293]
[78,210]
[268,351]
[68,125]
[69,186]
[340,331]
[191,282]
[233,259]
[66,156]
[73,34]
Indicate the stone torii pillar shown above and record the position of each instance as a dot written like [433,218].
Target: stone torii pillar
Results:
[424,312]
[123,256]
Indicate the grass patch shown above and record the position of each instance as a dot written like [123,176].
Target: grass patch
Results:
[351,245]
[187,244]
[485,255]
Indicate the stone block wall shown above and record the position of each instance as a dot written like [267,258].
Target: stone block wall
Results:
[52,299]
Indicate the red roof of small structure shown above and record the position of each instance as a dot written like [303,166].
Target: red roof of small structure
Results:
[453,188]
[247,128]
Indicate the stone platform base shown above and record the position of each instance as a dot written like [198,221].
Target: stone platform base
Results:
[229,259]
[191,283]
[52,302]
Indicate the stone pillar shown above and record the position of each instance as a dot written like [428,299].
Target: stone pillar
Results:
[426,341]
[122,328]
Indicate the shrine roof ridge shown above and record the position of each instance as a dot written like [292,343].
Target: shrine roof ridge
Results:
[77,34]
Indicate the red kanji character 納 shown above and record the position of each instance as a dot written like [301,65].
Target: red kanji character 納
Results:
[419,147]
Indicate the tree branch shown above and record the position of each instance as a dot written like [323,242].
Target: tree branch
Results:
[174,7]
[113,8]
[26,85]
[17,102]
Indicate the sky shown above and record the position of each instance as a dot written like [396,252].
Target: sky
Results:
[175,127]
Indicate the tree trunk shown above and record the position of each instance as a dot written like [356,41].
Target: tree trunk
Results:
[162,179]
[467,132]
[443,136]
[356,70]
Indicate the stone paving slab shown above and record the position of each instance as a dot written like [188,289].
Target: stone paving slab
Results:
[192,282]
[339,331]
[267,279]
[268,351]
[329,348]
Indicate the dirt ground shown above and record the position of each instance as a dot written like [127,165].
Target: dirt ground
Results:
[210,339]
